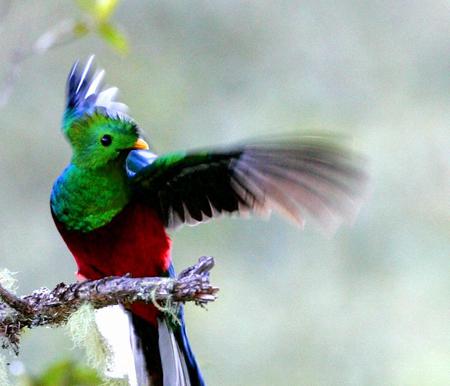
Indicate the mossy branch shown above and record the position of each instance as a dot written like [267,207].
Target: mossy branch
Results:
[46,307]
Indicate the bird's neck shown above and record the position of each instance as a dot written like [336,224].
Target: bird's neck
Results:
[86,199]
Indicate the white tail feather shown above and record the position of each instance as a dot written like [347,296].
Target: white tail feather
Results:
[174,367]
[114,323]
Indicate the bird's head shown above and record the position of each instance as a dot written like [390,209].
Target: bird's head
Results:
[98,139]
[97,127]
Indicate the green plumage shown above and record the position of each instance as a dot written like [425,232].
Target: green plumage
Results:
[86,199]
[85,136]
[94,188]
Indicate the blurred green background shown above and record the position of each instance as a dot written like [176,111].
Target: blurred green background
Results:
[370,306]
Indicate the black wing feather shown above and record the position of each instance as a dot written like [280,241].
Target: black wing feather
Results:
[315,174]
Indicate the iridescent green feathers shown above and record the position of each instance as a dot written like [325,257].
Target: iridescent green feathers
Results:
[314,174]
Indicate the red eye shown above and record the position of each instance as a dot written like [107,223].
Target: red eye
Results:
[106,140]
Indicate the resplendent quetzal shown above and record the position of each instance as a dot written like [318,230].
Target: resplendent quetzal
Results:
[115,200]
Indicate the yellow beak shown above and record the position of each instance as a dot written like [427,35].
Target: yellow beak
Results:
[140,144]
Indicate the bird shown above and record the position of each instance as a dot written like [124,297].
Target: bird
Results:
[116,201]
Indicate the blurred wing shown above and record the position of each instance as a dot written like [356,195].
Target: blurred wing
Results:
[314,174]
[86,94]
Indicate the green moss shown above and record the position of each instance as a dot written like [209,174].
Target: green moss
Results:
[84,333]
[8,280]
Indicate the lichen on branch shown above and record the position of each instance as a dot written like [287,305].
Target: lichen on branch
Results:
[45,307]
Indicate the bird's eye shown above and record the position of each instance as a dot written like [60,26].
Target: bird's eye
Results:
[106,140]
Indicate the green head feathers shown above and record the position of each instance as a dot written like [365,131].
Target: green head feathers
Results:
[97,126]
[98,139]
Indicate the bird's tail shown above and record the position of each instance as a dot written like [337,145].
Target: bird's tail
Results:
[147,354]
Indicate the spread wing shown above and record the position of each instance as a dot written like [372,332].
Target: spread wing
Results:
[314,174]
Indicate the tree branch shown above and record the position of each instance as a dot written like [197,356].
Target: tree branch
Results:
[46,307]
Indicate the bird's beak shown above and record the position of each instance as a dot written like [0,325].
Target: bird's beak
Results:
[140,144]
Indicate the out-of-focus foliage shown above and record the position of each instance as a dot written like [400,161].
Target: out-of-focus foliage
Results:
[63,373]
[368,307]
[113,37]
[95,18]
[100,12]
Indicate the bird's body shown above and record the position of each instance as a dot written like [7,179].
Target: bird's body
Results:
[115,200]
[109,234]
[117,235]
[119,247]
